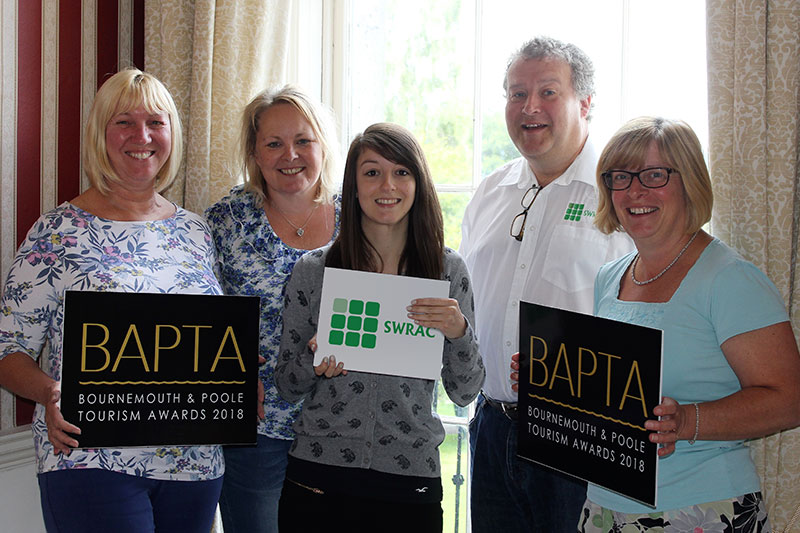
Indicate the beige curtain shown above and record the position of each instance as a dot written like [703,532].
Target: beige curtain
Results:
[754,119]
[213,55]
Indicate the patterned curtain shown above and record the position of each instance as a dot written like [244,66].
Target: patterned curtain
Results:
[754,118]
[213,55]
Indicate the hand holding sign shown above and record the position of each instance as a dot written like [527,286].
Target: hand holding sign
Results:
[440,313]
[514,377]
[58,429]
[326,367]
[672,420]
[329,368]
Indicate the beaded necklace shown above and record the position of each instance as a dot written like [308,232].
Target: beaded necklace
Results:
[651,280]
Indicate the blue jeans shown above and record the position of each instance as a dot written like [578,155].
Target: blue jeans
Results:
[511,494]
[253,482]
[95,500]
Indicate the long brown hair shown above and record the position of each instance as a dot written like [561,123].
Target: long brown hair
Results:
[423,254]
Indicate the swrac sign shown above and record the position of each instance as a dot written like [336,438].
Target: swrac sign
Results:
[363,322]
[160,369]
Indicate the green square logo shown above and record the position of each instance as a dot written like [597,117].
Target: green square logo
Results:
[368,341]
[336,337]
[371,325]
[573,212]
[350,318]
[338,321]
[352,339]
[354,323]
[356,307]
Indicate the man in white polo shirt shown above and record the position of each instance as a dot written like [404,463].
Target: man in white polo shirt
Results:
[528,234]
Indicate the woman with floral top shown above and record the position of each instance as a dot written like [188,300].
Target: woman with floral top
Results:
[120,235]
[367,444]
[286,207]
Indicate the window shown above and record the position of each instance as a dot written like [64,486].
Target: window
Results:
[438,67]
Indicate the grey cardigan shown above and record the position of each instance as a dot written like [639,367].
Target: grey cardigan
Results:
[365,420]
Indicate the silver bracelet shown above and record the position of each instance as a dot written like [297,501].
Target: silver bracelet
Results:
[696,423]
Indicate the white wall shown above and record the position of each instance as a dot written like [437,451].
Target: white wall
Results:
[20,509]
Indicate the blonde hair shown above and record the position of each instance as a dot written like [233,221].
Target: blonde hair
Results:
[318,118]
[123,92]
[679,147]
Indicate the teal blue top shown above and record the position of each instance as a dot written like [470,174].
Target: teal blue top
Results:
[721,296]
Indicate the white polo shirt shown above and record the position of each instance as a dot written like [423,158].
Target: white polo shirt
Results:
[555,264]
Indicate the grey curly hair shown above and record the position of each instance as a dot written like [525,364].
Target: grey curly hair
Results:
[579,63]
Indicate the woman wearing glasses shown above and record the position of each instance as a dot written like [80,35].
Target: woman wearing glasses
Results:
[367,444]
[285,208]
[731,363]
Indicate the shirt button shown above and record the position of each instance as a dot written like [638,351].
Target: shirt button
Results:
[369,444]
[372,415]
[522,265]
[514,303]
[374,384]
[508,343]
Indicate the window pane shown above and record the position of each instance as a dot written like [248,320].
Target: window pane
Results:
[453,205]
[411,63]
[680,86]
[496,146]
[445,407]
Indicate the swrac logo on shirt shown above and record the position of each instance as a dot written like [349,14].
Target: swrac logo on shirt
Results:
[355,323]
[576,211]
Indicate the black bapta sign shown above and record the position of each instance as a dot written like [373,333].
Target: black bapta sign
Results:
[145,369]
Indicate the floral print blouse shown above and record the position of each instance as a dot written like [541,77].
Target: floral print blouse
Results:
[71,249]
[254,261]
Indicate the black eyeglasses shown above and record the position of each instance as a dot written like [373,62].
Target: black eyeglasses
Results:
[652,178]
[518,224]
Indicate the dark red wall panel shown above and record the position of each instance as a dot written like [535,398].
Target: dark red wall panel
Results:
[29,143]
[107,40]
[138,33]
[69,100]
